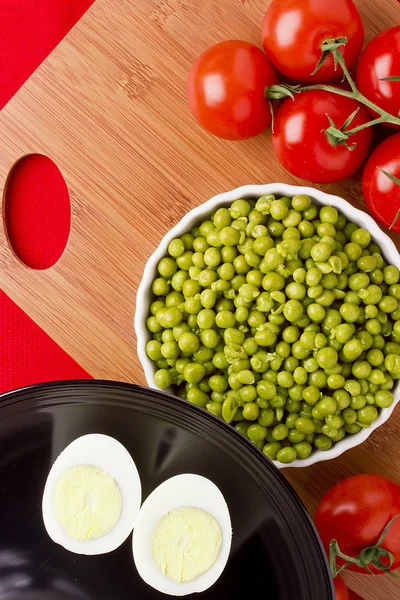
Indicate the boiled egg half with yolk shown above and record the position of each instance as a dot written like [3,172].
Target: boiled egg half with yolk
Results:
[182,536]
[92,495]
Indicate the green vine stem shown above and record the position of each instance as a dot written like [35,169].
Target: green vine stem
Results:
[335,135]
[372,555]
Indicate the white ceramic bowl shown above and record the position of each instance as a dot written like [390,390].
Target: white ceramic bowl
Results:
[144,294]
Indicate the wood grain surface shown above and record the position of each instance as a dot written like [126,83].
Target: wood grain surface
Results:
[108,106]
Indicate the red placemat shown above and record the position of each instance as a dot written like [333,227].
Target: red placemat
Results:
[29,31]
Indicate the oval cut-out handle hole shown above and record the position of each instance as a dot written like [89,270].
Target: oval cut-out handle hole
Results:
[37,211]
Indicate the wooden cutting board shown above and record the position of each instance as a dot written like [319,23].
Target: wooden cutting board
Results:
[108,106]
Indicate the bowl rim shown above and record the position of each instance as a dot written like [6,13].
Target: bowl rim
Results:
[360,217]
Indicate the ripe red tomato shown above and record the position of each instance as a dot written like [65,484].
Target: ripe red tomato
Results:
[303,148]
[340,589]
[356,511]
[381,194]
[293,31]
[225,90]
[380,59]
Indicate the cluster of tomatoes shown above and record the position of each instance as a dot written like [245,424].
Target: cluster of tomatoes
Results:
[230,83]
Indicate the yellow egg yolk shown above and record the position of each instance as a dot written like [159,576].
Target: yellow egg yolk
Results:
[185,543]
[87,502]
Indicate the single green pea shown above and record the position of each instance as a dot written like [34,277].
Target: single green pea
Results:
[162,378]
[305,425]
[251,411]
[327,357]
[176,248]
[367,415]
[215,408]
[335,381]
[358,402]
[303,449]
[256,432]
[322,442]
[326,406]
[384,398]
[391,274]
[311,394]
[352,428]
[353,349]
[271,450]
[316,312]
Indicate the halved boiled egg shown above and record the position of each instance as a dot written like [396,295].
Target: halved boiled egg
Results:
[92,495]
[182,536]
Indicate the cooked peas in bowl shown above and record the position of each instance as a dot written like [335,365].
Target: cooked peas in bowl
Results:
[280,317]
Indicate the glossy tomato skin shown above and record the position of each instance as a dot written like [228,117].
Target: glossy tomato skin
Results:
[382,195]
[380,59]
[303,148]
[355,512]
[340,589]
[293,31]
[225,90]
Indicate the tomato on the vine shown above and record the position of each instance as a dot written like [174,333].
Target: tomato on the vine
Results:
[355,513]
[382,194]
[340,589]
[293,31]
[381,59]
[225,90]
[300,141]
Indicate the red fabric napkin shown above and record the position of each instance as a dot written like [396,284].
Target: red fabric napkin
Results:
[29,31]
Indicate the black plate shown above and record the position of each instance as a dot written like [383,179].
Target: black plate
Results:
[275,554]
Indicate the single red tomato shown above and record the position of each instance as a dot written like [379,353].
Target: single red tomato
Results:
[381,59]
[225,90]
[355,512]
[381,194]
[340,589]
[301,144]
[293,31]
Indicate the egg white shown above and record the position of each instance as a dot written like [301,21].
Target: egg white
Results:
[106,453]
[182,490]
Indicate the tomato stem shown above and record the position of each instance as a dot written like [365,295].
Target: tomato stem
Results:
[372,555]
[335,136]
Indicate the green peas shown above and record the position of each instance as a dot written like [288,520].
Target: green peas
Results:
[162,378]
[271,450]
[311,394]
[209,338]
[335,381]
[327,357]
[321,252]
[280,432]
[384,399]
[295,291]
[367,415]
[194,372]
[329,214]
[322,442]
[326,406]
[222,218]
[282,319]
[371,295]
[153,350]
[388,304]
[278,210]
[303,449]
[349,312]
[316,312]
[225,319]
[251,411]
[170,350]
[361,369]
[305,425]
[176,248]
[361,237]
[391,274]
[353,349]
